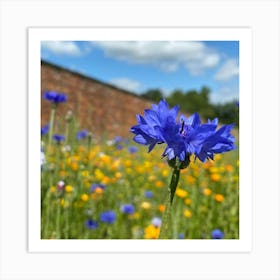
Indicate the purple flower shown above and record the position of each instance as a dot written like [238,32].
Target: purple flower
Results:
[182,138]
[149,128]
[91,224]
[58,138]
[149,194]
[108,217]
[45,129]
[127,209]
[119,147]
[55,97]
[118,139]
[133,149]
[217,234]
[82,134]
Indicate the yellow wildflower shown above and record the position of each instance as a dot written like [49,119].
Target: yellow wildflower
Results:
[74,166]
[187,213]
[84,197]
[229,168]
[161,207]
[207,191]
[181,193]
[215,177]
[140,169]
[105,180]
[165,172]
[190,179]
[118,175]
[146,205]
[188,201]
[151,178]
[127,163]
[217,157]
[105,159]
[69,189]
[219,197]
[98,174]
[98,190]
[159,184]
[53,189]
[151,232]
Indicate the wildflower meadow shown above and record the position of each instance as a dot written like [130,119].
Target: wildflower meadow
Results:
[123,188]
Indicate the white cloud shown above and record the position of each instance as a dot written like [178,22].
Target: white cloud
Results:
[127,84]
[61,47]
[224,95]
[168,56]
[228,70]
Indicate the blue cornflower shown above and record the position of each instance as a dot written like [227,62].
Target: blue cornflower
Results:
[82,134]
[108,217]
[94,186]
[127,209]
[182,138]
[118,139]
[217,234]
[149,194]
[58,138]
[149,128]
[91,224]
[133,149]
[55,97]
[45,129]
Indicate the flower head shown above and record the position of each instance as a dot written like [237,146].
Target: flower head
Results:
[45,129]
[149,194]
[182,138]
[82,134]
[217,234]
[151,232]
[108,217]
[149,128]
[55,97]
[91,224]
[127,209]
[93,187]
[156,221]
[58,138]
[133,149]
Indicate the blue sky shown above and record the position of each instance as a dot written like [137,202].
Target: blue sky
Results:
[141,65]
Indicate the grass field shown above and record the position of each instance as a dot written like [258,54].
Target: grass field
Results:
[114,189]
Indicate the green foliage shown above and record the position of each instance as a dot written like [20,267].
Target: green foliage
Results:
[198,101]
[153,94]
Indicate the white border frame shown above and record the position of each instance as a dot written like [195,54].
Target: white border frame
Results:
[263,17]
[243,35]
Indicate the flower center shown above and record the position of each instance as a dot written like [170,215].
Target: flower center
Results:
[184,129]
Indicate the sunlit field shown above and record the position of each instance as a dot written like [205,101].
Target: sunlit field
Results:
[114,189]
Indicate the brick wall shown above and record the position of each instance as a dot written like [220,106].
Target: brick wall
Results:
[99,107]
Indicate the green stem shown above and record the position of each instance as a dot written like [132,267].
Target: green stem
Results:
[167,215]
[67,133]
[58,219]
[51,126]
